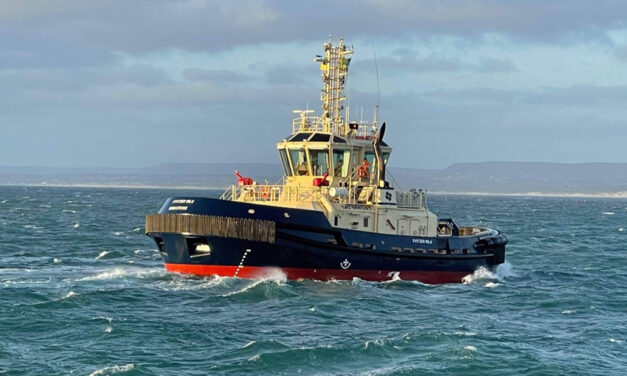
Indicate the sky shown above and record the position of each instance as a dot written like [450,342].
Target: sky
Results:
[138,83]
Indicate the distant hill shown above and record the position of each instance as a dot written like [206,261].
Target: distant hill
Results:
[488,177]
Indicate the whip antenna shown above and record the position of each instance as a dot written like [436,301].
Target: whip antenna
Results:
[376,69]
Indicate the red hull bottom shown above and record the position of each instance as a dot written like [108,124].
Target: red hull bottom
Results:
[253,272]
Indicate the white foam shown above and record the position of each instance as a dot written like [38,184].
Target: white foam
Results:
[613,340]
[106,318]
[491,285]
[480,274]
[249,344]
[272,275]
[120,272]
[69,295]
[395,277]
[569,312]
[118,233]
[377,342]
[505,270]
[76,225]
[112,370]
[466,334]
[108,329]
[102,254]
[56,260]
[137,229]
[608,213]
[3,201]
[68,211]
[470,348]
[621,229]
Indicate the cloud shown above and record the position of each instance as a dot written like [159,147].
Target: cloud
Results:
[205,25]
[433,63]
[216,76]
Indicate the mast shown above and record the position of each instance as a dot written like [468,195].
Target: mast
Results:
[334,69]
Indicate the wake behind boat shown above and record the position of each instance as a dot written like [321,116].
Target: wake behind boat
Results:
[334,216]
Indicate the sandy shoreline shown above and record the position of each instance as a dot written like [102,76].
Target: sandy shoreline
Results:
[616,195]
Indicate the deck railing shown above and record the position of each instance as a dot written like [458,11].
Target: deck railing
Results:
[364,130]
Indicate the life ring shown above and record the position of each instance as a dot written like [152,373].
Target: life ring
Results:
[264,192]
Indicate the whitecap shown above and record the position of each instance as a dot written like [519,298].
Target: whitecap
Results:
[102,254]
[621,229]
[106,318]
[568,312]
[69,295]
[312,309]
[613,340]
[76,225]
[137,229]
[3,201]
[470,348]
[68,211]
[56,260]
[118,233]
[111,370]
[249,344]
[491,285]
[108,329]
[608,213]
[377,342]
[466,334]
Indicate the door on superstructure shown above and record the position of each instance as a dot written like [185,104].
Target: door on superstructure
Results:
[402,226]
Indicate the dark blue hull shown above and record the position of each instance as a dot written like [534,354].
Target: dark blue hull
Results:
[304,245]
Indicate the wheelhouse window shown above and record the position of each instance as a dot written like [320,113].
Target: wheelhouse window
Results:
[286,162]
[299,162]
[319,162]
[341,162]
[369,156]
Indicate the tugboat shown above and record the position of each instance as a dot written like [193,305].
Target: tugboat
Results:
[334,215]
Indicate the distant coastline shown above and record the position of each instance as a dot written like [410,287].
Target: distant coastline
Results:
[612,195]
[529,179]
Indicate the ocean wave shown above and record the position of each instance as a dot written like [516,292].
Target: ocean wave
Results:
[69,295]
[121,273]
[279,278]
[480,274]
[608,213]
[112,370]
[102,254]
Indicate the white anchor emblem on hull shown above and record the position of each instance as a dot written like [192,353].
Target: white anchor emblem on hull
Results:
[345,264]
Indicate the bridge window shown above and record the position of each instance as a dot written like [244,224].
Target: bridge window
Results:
[341,162]
[286,162]
[299,162]
[319,162]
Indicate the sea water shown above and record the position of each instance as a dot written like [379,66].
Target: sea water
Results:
[83,291]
